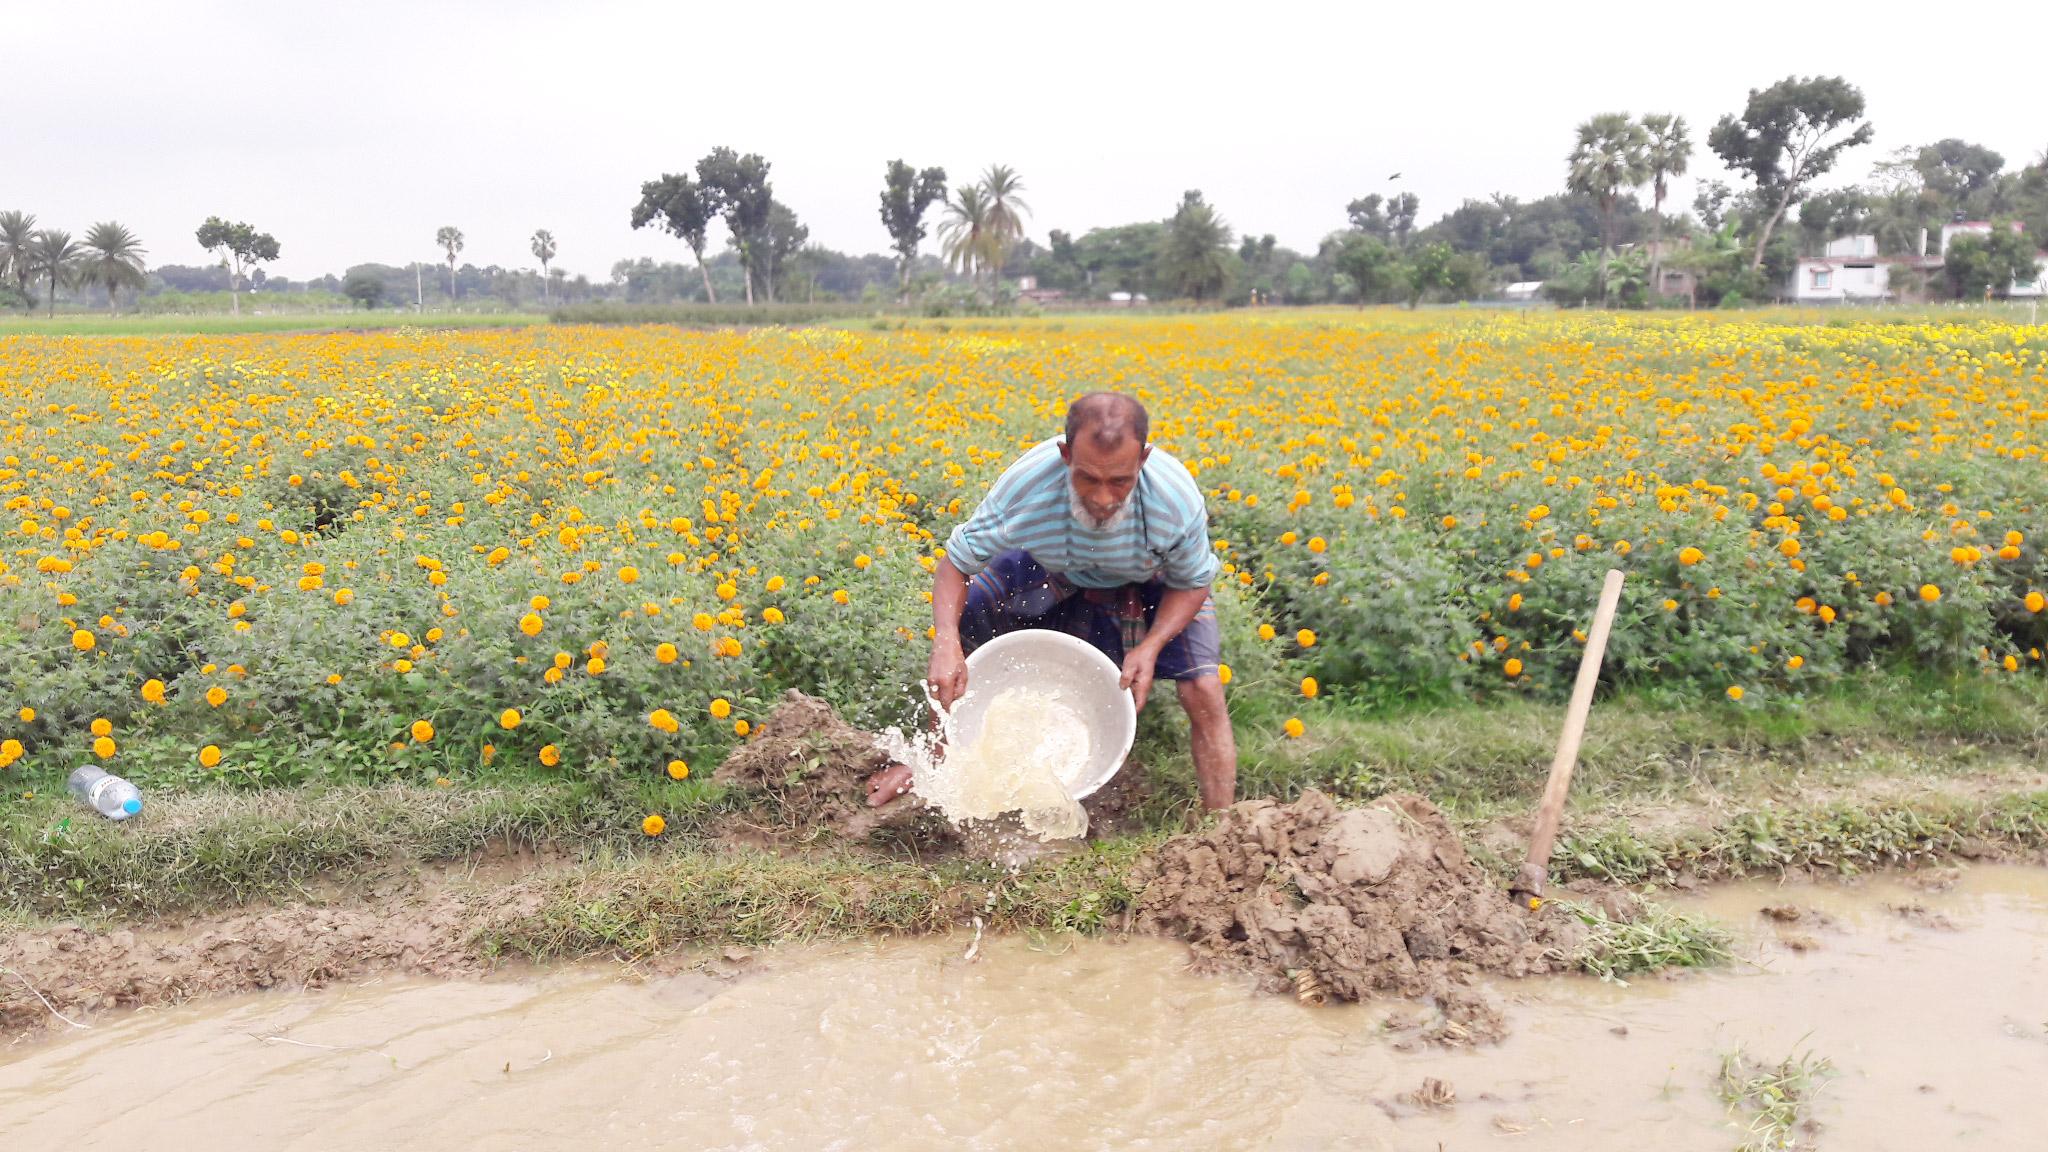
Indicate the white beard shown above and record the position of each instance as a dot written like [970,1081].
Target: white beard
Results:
[1080,512]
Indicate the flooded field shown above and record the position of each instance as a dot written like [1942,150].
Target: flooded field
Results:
[1931,1003]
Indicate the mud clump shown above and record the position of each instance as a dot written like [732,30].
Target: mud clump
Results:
[1375,901]
[806,769]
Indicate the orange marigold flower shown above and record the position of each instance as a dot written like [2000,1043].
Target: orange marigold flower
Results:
[1309,687]
[678,770]
[654,825]
[422,731]
[665,653]
[1513,667]
[209,756]
[84,641]
[721,708]
[530,624]
[550,755]
[103,747]
[509,719]
[1294,727]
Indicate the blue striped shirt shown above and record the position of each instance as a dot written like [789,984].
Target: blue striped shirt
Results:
[1163,535]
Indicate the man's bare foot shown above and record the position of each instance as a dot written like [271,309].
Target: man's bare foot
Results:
[888,785]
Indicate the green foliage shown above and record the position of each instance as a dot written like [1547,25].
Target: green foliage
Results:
[1977,266]
[364,287]
[1789,135]
[906,195]
[1195,261]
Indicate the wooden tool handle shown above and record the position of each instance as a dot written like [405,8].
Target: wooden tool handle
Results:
[1551,810]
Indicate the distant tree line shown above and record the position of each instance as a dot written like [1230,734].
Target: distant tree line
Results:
[1606,237]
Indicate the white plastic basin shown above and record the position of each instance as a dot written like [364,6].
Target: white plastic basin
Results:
[1086,680]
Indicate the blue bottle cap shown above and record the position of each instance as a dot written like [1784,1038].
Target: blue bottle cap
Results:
[132,805]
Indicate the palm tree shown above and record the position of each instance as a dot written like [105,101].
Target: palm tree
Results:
[964,233]
[17,233]
[1611,157]
[113,259]
[1666,156]
[1196,240]
[1000,186]
[54,255]
[543,251]
[450,239]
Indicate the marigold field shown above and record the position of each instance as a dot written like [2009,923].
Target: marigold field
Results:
[605,552]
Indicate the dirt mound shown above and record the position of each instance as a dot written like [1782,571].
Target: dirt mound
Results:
[80,971]
[1374,901]
[807,769]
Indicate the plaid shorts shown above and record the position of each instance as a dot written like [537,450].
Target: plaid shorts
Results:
[1015,592]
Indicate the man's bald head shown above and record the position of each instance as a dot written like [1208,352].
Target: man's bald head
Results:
[1108,420]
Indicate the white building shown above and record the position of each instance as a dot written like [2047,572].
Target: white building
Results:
[1851,270]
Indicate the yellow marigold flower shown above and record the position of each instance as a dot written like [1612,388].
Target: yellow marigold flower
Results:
[2036,602]
[400,640]
[1266,632]
[1690,556]
[741,728]
[550,755]
[422,731]
[1449,522]
[665,653]
[1294,727]
[84,641]
[509,719]
[628,574]
[703,622]
[539,603]
[654,825]
[27,715]
[776,584]
[862,561]
[596,666]
[563,660]
[721,708]
[678,770]
[1796,663]
[1305,638]
[1223,673]
[1735,691]
[727,591]
[530,624]
[840,596]
[2011,662]
[1930,592]
[103,747]
[663,720]
[103,727]
[1883,599]
[1317,544]
[343,597]
[401,666]
[153,691]
[772,615]
[237,610]
[209,756]
[1309,687]
[1512,668]
[1288,538]
[1515,602]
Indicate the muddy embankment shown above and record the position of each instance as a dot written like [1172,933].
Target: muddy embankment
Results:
[1378,901]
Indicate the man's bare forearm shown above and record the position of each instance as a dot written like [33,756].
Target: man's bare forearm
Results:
[949,600]
[1178,608]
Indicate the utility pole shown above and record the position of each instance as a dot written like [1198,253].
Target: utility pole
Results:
[419,302]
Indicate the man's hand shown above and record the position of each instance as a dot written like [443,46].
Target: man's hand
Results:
[1138,663]
[947,673]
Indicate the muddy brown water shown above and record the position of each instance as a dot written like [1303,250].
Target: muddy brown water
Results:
[1936,1019]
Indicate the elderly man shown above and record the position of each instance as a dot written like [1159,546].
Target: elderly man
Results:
[1102,536]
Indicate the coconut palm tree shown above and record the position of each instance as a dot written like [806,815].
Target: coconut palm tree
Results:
[112,259]
[54,255]
[1000,188]
[17,233]
[1665,157]
[543,251]
[1610,158]
[964,235]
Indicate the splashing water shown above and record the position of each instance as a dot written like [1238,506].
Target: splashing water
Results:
[1028,735]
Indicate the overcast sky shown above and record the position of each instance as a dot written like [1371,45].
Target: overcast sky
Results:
[352,131]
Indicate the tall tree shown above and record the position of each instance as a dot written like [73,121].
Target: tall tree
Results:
[1610,158]
[1368,262]
[543,245]
[113,260]
[1193,263]
[1368,215]
[17,234]
[1957,170]
[1401,211]
[1000,190]
[964,233]
[906,195]
[1992,264]
[739,186]
[1669,148]
[54,257]
[684,208]
[449,237]
[1787,136]
[240,246]
[783,238]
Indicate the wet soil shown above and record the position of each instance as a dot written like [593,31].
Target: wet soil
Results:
[1360,903]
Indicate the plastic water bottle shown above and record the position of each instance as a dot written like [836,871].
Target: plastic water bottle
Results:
[105,793]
